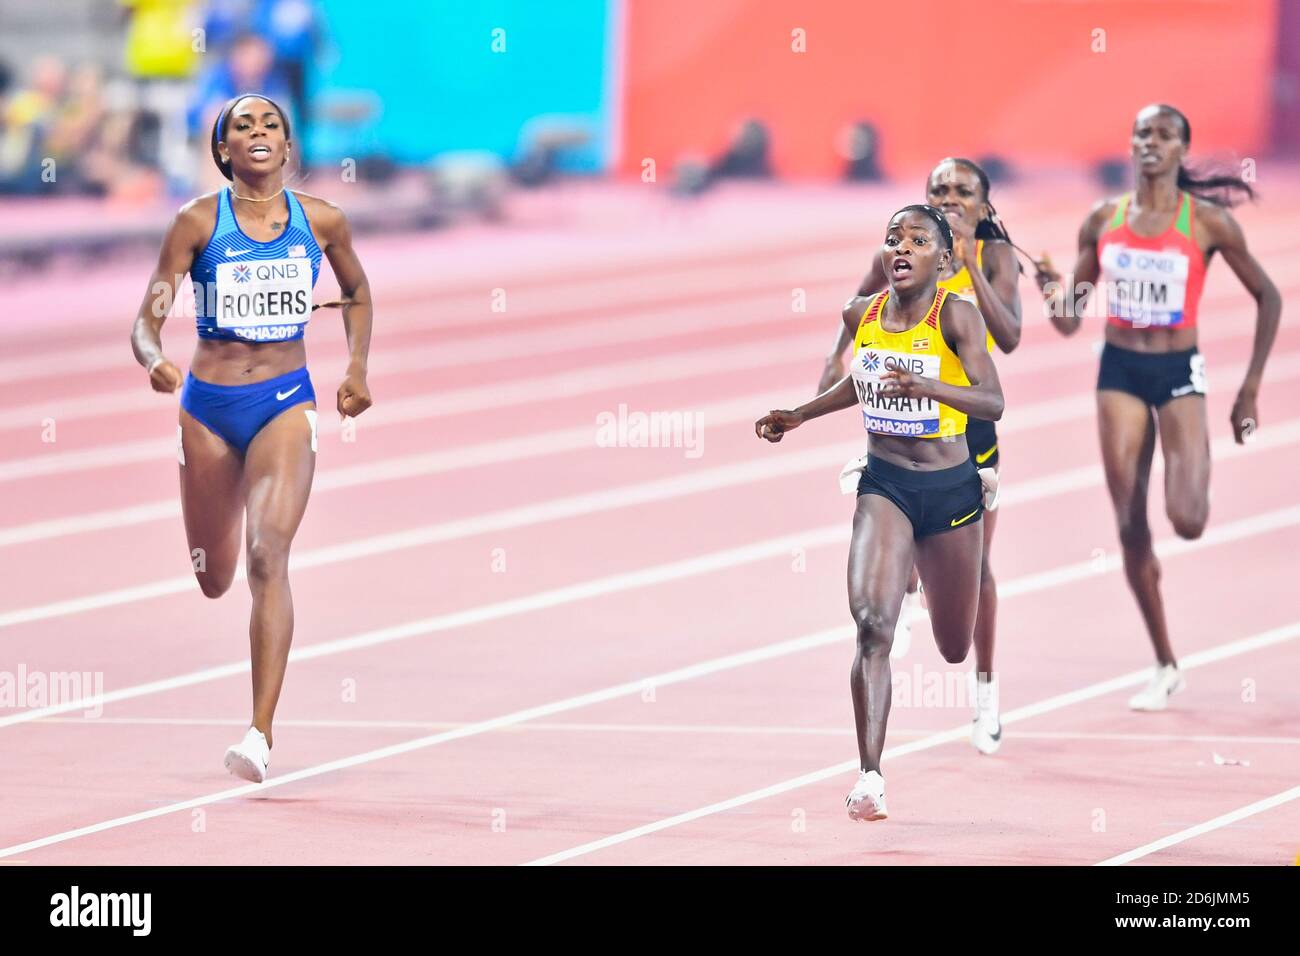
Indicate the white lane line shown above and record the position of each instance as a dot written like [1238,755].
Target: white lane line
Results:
[726,476]
[702,564]
[1227,819]
[751,313]
[655,369]
[635,687]
[559,300]
[542,600]
[780,649]
[510,518]
[1240,739]
[1220,652]
[687,729]
[509,393]
[367,474]
[509,450]
[65,363]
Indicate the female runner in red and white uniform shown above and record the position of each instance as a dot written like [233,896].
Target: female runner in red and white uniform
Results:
[1150,249]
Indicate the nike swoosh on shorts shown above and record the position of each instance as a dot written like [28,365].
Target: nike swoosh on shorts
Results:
[281,396]
[957,521]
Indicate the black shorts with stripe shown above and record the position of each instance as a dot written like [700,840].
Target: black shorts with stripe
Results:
[982,440]
[933,501]
[1154,377]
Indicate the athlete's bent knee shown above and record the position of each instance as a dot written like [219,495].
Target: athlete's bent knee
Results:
[211,586]
[267,561]
[875,630]
[953,652]
[1188,522]
[1135,536]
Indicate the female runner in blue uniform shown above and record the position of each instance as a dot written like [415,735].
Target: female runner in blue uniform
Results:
[247,443]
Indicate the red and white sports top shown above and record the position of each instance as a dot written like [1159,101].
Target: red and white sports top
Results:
[1151,281]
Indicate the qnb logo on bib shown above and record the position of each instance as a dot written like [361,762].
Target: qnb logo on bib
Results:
[1145,286]
[257,299]
[894,415]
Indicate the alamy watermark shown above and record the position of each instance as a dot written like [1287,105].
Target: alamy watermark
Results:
[23,689]
[128,910]
[919,686]
[634,429]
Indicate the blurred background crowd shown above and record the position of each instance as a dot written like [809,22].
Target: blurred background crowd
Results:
[465,102]
[119,95]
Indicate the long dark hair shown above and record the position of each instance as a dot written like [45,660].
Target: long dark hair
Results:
[1216,186]
[222,124]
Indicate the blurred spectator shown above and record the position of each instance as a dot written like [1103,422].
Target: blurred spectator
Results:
[161,56]
[58,136]
[111,165]
[226,20]
[29,115]
[77,117]
[293,31]
[247,66]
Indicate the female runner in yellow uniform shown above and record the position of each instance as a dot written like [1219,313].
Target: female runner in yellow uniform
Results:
[984,272]
[920,367]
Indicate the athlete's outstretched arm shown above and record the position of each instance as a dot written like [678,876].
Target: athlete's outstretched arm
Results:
[358,313]
[777,422]
[999,296]
[1226,236]
[184,237]
[1067,298]
[833,369]
[963,330]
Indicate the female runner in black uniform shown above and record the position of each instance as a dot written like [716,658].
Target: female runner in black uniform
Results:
[986,273]
[921,366]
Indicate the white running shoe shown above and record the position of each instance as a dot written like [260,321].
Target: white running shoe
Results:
[986,728]
[250,758]
[866,801]
[1166,681]
[903,629]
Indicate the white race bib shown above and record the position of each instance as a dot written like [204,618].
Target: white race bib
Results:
[894,416]
[263,294]
[1145,287]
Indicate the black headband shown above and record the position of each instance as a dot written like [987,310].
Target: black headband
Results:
[936,216]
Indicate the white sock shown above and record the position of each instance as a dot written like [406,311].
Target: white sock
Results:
[986,695]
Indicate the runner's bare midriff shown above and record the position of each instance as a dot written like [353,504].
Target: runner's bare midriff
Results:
[225,362]
[1151,339]
[919,454]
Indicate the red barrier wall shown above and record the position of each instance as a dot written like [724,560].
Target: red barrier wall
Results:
[940,77]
